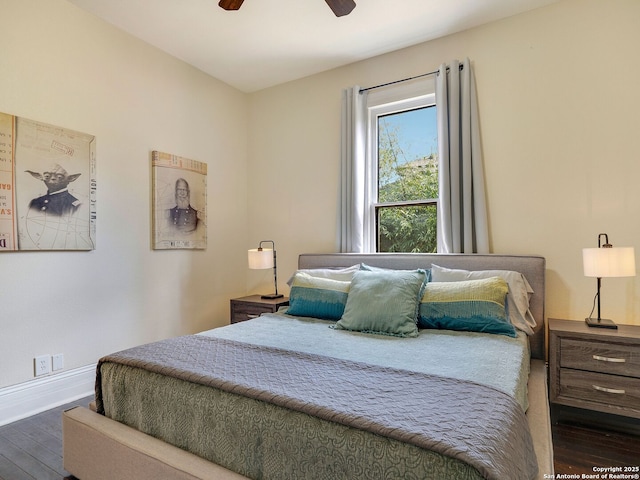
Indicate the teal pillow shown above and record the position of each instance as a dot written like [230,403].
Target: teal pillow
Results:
[469,305]
[384,302]
[317,297]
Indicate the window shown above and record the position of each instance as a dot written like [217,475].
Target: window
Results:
[402,170]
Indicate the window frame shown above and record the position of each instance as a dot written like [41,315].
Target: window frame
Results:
[392,99]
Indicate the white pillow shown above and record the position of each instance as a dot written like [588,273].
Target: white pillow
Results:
[517,299]
[342,274]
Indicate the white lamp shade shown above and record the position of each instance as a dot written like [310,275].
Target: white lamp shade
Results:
[260,258]
[609,262]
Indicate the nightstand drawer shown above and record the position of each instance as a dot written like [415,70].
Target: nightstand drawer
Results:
[246,308]
[247,311]
[601,388]
[600,357]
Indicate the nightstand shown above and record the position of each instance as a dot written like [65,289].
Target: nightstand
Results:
[246,308]
[595,368]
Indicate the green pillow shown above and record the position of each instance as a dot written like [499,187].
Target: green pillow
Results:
[469,305]
[384,302]
[317,297]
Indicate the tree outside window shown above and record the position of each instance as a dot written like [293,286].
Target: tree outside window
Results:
[407,181]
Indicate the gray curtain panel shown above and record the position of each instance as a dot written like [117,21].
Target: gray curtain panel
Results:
[462,214]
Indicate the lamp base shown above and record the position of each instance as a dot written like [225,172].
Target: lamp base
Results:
[600,323]
[272,296]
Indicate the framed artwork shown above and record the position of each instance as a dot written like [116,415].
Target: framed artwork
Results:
[47,186]
[179,202]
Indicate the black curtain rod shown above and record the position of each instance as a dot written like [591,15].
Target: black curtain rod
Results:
[403,80]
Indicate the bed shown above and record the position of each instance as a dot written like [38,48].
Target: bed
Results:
[310,393]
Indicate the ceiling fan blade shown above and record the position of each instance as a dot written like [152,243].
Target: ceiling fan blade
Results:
[230,4]
[341,7]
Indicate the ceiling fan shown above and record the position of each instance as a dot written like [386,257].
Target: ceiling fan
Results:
[339,7]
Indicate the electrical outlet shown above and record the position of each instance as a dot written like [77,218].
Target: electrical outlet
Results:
[58,361]
[42,365]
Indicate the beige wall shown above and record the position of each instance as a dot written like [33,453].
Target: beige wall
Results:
[62,66]
[559,113]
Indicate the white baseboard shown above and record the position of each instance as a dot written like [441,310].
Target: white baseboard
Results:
[26,399]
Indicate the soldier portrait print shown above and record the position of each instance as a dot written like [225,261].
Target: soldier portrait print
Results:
[48,177]
[179,202]
[182,217]
[57,200]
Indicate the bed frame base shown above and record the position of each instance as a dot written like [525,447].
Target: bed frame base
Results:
[98,448]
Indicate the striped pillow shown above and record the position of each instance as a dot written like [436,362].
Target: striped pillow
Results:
[469,305]
[317,297]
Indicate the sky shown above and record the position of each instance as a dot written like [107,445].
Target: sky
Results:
[417,131]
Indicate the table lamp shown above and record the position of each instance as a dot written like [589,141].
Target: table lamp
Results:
[261,258]
[607,261]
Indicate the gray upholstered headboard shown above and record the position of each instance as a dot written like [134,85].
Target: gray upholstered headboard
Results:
[532,266]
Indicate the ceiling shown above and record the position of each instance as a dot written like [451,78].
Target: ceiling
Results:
[268,42]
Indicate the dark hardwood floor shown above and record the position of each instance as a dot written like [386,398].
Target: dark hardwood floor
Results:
[578,449]
[32,448]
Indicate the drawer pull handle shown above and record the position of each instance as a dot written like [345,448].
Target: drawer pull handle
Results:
[608,390]
[249,316]
[609,359]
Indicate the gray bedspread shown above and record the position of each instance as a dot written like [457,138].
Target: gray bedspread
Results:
[494,360]
[476,424]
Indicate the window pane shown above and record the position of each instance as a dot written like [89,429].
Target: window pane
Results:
[407,229]
[407,155]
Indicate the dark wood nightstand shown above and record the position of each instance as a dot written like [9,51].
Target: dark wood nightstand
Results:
[246,308]
[595,368]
